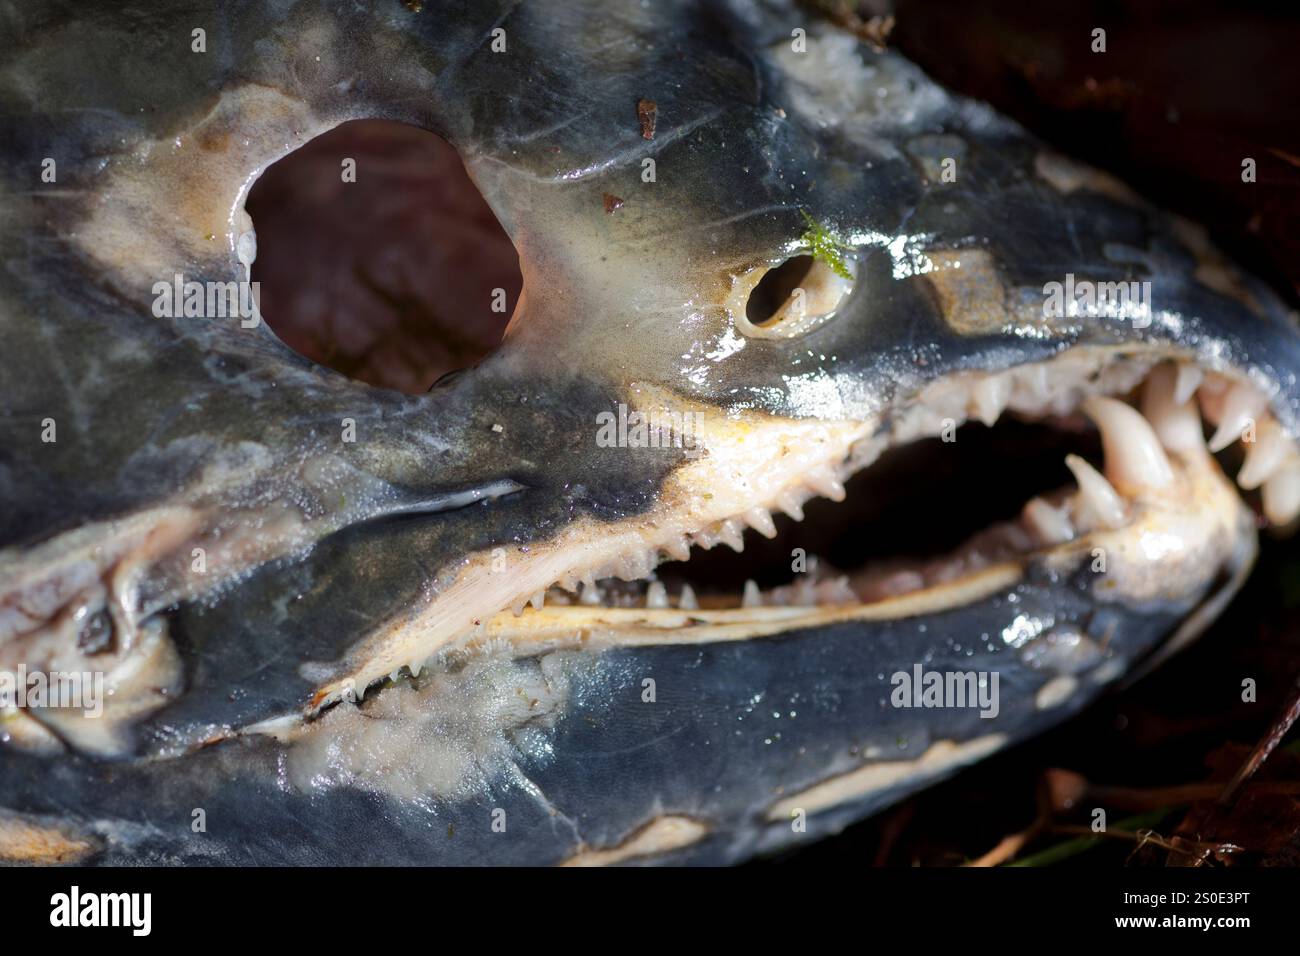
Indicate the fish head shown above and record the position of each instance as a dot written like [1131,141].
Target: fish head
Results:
[783,297]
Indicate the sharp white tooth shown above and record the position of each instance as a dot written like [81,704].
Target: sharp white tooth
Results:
[752,597]
[518,606]
[1187,380]
[705,539]
[1264,455]
[989,397]
[415,667]
[1241,406]
[1281,494]
[1134,458]
[538,600]
[656,595]
[395,675]
[1176,423]
[1100,502]
[760,521]
[823,481]
[591,595]
[686,600]
[679,549]
[790,504]
[1051,525]
[732,534]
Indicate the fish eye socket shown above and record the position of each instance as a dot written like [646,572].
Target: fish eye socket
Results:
[378,257]
[788,299]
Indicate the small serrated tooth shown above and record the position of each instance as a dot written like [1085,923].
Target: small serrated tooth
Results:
[823,481]
[788,502]
[1177,423]
[1050,524]
[1280,494]
[761,521]
[538,600]
[687,600]
[1135,459]
[1187,380]
[805,593]
[678,548]
[705,539]
[656,596]
[518,606]
[569,583]
[989,398]
[1241,406]
[591,596]
[1099,499]
[1264,455]
[752,596]
[837,592]
[395,675]
[415,667]
[732,534]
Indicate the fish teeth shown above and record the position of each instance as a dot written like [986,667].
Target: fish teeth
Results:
[1134,458]
[1241,406]
[989,397]
[538,600]
[1050,524]
[751,597]
[805,593]
[1176,421]
[1264,455]
[687,600]
[837,592]
[788,502]
[732,534]
[591,595]
[1187,379]
[761,521]
[823,481]
[1280,494]
[679,549]
[656,596]
[1100,501]
[518,606]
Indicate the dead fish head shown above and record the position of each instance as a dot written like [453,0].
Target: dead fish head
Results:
[766,270]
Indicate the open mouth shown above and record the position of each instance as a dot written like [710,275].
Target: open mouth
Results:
[945,499]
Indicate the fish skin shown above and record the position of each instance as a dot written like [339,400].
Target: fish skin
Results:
[155,145]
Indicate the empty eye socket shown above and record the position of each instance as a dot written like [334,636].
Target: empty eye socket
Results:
[788,299]
[378,257]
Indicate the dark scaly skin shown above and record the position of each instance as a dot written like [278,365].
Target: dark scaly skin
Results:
[546,129]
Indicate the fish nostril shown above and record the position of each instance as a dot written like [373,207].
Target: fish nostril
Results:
[788,299]
[378,257]
[775,289]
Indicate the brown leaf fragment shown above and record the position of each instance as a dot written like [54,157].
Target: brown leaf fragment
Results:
[647,112]
[612,202]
